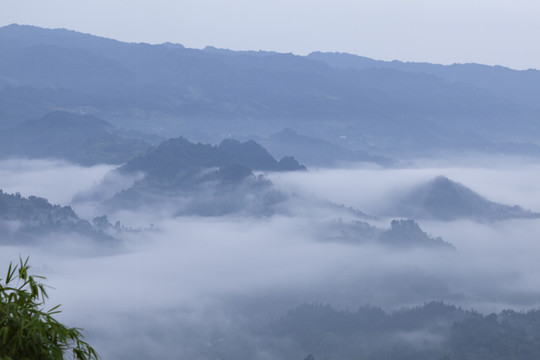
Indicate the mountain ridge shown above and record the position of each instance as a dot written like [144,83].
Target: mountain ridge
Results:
[206,94]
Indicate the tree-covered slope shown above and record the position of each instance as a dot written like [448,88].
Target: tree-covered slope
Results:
[401,235]
[30,219]
[432,331]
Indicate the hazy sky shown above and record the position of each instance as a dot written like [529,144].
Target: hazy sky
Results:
[485,31]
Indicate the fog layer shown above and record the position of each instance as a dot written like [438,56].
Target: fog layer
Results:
[173,286]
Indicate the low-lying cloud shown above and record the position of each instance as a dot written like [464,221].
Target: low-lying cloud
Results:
[511,182]
[199,273]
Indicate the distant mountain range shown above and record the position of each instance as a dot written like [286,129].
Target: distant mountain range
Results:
[89,140]
[388,108]
[444,199]
[518,86]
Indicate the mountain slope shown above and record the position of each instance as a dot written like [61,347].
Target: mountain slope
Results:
[444,199]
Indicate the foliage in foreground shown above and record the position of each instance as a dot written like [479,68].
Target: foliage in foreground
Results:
[27,330]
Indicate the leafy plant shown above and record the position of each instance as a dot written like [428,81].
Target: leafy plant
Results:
[27,330]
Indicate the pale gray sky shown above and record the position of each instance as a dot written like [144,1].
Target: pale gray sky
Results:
[485,31]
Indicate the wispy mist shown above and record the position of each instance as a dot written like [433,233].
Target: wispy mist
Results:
[55,180]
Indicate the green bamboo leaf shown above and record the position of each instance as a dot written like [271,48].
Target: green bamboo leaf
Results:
[27,329]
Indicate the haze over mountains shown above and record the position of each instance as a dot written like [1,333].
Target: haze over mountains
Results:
[383,108]
[255,186]
[317,152]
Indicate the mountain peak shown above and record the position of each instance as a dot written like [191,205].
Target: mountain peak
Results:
[179,155]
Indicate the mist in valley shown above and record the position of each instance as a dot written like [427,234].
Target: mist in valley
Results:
[219,204]
[179,284]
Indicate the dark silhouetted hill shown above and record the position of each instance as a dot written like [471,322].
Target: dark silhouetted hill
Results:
[203,179]
[178,157]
